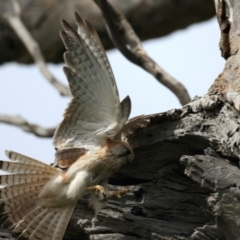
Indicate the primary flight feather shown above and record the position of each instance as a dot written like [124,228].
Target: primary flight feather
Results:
[38,199]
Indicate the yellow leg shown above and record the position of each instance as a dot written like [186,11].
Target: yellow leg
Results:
[117,193]
[98,189]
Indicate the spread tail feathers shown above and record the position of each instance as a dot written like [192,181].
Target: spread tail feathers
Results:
[19,196]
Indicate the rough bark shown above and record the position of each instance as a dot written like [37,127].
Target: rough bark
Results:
[42,18]
[184,179]
[227,84]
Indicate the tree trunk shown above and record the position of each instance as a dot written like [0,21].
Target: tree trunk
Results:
[184,181]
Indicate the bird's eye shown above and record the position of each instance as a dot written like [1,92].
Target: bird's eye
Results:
[128,151]
[122,151]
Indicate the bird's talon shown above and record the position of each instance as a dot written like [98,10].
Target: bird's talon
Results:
[119,193]
[100,190]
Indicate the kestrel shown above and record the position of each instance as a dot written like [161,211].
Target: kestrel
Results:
[38,199]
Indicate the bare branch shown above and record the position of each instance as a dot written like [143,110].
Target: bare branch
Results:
[126,40]
[33,48]
[20,122]
[16,7]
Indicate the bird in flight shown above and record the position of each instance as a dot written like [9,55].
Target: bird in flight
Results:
[38,199]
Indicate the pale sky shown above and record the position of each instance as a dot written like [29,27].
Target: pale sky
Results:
[191,55]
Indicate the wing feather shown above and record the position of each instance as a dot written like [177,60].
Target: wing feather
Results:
[61,227]
[10,207]
[27,219]
[20,208]
[18,167]
[126,108]
[12,179]
[52,226]
[10,192]
[65,157]
[41,229]
[17,157]
[95,111]
[35,221]
[17,215]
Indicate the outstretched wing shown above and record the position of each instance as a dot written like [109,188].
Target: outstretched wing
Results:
[95,111]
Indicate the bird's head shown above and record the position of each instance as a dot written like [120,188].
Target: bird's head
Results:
[122,150]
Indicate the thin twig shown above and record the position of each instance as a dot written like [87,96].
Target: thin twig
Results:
[33,47]
[126,40]
[20,122]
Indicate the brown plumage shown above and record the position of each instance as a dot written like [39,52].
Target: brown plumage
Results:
[66,157]
[38,199]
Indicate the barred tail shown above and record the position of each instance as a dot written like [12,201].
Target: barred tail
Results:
[19,196]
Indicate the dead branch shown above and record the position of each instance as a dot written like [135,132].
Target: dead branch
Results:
[41,18]
[126,40]
[20,122]
[33,47]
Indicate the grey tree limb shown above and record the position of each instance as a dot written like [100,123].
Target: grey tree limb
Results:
[26,126]
[150,19]
[129,44]
[33,48]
